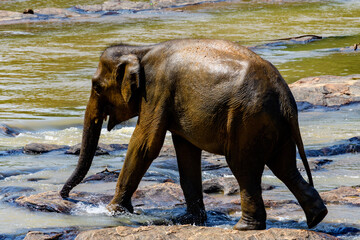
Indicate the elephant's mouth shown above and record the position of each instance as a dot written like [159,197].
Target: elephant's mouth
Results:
[112,122]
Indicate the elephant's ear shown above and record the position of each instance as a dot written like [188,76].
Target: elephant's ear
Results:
[128,71]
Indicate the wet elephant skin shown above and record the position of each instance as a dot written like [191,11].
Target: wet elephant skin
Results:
[212,95]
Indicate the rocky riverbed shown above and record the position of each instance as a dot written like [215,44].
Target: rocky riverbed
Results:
[160,200]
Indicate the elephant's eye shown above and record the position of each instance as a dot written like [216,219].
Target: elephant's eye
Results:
[97,87]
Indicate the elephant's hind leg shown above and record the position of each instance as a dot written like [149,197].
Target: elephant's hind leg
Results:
[284,167]
[252,206]
[189,162]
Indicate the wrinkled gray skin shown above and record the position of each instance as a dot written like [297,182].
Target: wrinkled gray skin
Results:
[212,95]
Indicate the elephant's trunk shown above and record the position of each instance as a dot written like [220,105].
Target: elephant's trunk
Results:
[91,133]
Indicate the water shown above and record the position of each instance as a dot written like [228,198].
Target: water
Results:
[46,68]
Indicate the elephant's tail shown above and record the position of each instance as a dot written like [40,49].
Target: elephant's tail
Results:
[299,143]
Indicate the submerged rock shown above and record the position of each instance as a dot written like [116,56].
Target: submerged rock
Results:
[102,149]
[195,232]
[39,148]
[228,185]
[329,91]
[8,131]
[343,195]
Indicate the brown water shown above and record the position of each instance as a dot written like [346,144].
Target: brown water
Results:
[46,67]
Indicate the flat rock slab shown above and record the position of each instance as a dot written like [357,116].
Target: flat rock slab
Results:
[343,195]
[39,148]
[327,91]
[194,232]
[53,202]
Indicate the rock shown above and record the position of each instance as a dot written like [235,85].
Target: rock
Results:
[351,145]
[28,11]
[65,234]
[57,13]
[343,195]
[195,232]
[228,185]
[105,176]
[8,131]
[36,235]
[102,149]
[327,91]
[303,39]
[39,148]
[315,165]
[53,202]
[164,195]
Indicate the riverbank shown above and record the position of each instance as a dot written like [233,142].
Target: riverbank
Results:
[110,8]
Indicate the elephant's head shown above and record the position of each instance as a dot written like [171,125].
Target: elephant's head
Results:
[115,93]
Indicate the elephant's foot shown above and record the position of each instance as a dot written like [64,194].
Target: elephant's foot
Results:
[245,225]
[198,218]
[315,215]
[116,209]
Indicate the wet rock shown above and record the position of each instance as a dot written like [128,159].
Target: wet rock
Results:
[209,161]
[57,13]
[195,232]
[39,148]
[48,234]
[343,195]
[53,202]
[303,39]
[11,152]
[164,195]
[212,161]
[344,231]
[104,176]
[327,91]
[315,165]
[8,131]
[28,11]
[36,235]
[102,149]
[351,145]
[227,185]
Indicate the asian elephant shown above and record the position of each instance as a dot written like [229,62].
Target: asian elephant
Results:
[212,95]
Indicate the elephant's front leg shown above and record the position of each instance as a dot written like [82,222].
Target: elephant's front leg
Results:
[189,162]
[144,147]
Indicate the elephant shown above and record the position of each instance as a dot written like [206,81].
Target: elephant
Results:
[211,95]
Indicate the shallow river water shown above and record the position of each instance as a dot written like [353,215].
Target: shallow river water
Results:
[45,72]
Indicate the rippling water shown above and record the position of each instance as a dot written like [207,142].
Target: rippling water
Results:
[46,67]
